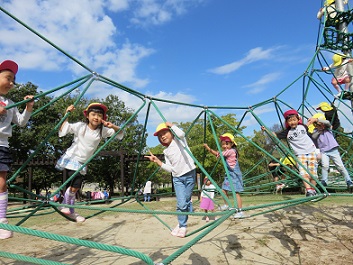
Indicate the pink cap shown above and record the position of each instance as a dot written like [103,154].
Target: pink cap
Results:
[9,65]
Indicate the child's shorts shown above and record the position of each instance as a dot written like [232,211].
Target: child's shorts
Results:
[341,80]
[5,159]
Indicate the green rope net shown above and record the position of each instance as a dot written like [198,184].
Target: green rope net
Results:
[206,120]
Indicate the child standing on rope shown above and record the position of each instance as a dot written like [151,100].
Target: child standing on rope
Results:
[207,196]
[342,72]
[231,155]
[328,145]
[179,162]
[303,146]
[87,136]
[8,71]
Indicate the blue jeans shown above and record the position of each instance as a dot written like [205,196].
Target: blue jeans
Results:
[183,186]
[334,154]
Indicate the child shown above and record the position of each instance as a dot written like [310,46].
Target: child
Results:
[87,136]
[331,12]
[181,165]
[303,147]
[8,71]
[277,170]
[147,191]
[207,196]
[231,155]
[342,72]
[331,115]
[328,145]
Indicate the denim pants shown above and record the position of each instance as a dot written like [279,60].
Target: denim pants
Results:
[183,186]
[336,158]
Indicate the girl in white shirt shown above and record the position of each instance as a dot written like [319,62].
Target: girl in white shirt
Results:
[87,136]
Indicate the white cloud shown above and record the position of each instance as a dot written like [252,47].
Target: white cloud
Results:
[260,84]
[255,54]
[157,12]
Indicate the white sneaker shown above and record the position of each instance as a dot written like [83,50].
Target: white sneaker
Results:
[224,207]
[4,234]
[181,232]
[64,210]
[78,218]
[238,215]
[175,231]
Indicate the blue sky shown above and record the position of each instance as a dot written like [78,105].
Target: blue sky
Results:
[203,52]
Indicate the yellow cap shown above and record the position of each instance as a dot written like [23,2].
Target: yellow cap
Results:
[329,2]
[319,115]
[337,59]
[228,137]
[161,127]
[288,161]
[311,128]
[324,106]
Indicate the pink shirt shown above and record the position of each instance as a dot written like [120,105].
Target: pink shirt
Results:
[231,156]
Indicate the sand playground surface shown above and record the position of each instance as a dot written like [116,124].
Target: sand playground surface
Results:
[306,234]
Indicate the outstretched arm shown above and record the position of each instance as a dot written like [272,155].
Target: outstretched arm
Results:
[213,152]
[154,159]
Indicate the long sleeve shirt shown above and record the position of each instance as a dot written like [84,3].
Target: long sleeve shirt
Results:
[177,159]
[12,116]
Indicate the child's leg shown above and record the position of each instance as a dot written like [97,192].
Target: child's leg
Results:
[335,84]
[347,82]
[239,200]
[3,194]
[225,193]
[325,164]
[4,234]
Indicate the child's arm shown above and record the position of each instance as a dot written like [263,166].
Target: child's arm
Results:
[29,104]
[111,125]
[213,152]
[68,109]
[154,159]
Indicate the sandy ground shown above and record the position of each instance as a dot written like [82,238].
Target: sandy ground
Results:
[304,234]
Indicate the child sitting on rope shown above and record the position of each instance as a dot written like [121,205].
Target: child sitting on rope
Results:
[342,72]
[303,146]
[277,170]
[328,146]
[179,162]
[231,155]
[87,136]
[8,71]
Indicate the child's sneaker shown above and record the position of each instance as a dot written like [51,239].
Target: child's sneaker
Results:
[350,186]
[4,234]
[207,219]
[224,207]
[64,210]
[175,231]
[181,232]
[78,218]
[238,215]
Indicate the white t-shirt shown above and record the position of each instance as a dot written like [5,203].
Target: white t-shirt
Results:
[85,140]
[208,194]
[12,116]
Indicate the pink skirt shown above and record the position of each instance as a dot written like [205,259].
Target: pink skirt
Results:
[207,204]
